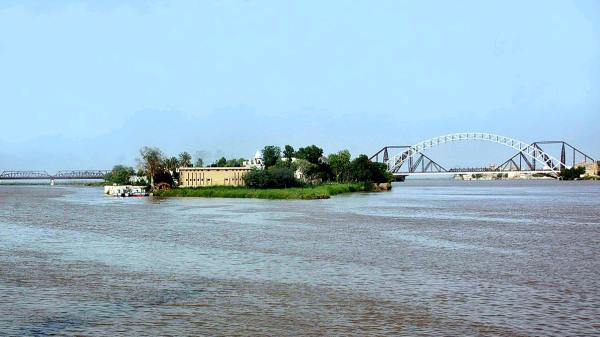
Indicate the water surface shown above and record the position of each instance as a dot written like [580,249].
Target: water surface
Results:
[508,258]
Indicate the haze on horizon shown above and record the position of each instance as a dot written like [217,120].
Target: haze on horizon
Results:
[85,84]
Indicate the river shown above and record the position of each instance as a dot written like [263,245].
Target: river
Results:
[431,257]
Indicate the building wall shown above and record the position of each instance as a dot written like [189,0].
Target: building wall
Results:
[212,176]
[591,168]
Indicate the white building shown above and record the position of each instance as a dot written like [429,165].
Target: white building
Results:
[125,190]
[256,162]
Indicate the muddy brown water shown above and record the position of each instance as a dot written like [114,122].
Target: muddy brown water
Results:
[509,258]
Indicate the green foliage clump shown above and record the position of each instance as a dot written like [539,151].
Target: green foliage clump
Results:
[274,177]
[572,173]
[311,153]
[364,170]
[120,175]
[271,154]
[223,162]
[288,154]
[340,165]
[185,159]
[163,176]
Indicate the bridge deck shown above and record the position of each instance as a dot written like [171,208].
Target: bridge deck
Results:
[405,174]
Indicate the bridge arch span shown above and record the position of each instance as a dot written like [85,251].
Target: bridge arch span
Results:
[530,150]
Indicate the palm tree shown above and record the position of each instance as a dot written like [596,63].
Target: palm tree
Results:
[151,160]
[185,159]
[171,164]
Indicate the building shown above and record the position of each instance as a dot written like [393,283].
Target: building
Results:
[591,168]
[256,162]
[125,190]
[212,176]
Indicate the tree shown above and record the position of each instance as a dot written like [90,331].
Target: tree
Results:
[282,177]
[380,173]
[221,162]
[151,160]
[235,162]
[199,163]
[271,154]
[185,159]
[163,176]
[276,177]
[572,173]
[340,165]
[256,178]
[308,170]
[224,162]
[120,175]
[288,154]
[361,169]
[364,170]
[311,153]
[172,164]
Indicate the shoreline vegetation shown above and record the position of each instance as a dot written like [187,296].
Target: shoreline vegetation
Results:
[323,191]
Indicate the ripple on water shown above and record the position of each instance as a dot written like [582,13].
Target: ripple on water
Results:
[428,258]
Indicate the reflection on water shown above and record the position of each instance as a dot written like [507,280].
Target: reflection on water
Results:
[430,257]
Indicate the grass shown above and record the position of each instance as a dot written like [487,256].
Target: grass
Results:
[96,184]
[324,191]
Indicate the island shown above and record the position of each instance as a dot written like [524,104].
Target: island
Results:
[272,173]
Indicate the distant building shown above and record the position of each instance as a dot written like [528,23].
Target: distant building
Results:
[124,190]
[591,168]
[256,162]
[212,176]
[136,179]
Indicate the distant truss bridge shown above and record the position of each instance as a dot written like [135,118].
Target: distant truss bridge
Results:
[43,175]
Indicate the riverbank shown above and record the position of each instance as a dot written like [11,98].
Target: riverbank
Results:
[324,191]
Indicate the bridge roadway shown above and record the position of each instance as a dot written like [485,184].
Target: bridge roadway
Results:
[448,173]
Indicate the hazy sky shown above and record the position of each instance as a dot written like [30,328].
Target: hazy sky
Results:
[85,84]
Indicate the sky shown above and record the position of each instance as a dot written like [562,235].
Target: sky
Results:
[85,84]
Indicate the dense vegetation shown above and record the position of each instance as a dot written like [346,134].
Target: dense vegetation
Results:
[313,168]
[323,191]
[274,177]
[121,175]
[223,162]
[572,173]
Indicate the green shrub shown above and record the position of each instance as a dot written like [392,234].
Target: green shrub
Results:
[572,173]
[364,170]
[274,177]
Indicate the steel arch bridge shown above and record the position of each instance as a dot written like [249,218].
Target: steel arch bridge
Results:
[411,160]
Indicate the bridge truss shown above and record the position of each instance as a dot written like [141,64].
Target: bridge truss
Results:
[529,157]
[39,175]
